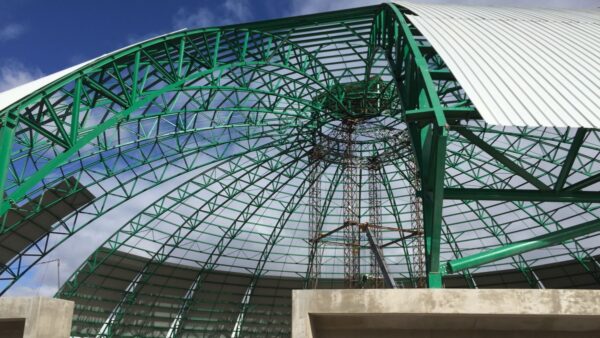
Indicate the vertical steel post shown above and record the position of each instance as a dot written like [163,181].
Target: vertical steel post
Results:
[432,192]
[7,135]
[417,90]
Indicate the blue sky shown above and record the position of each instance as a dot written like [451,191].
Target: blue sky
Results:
[40,37]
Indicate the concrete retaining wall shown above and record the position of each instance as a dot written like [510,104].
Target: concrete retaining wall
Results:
[446,313]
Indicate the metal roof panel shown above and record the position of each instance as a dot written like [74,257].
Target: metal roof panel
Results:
[521,67]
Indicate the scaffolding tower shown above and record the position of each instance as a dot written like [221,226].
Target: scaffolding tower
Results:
[351,231]
[375,219]
[417,224]
[315,216]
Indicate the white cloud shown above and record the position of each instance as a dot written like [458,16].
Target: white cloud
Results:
[201,17]
[301,7]
[228,12]
[239,9]
[14,73]
[231,11]
[11,31]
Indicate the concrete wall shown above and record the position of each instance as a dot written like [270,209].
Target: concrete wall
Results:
[446,313]
[43,317]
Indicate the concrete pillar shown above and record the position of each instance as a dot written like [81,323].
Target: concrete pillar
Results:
[445,313]
[35,317]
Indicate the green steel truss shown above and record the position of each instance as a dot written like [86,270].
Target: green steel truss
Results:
[242,107]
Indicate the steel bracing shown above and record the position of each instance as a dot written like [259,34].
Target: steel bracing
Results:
[350,199]
[292,134]
[375,221]
[315,217]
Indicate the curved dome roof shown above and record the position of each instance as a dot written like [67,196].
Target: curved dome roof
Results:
[284,135]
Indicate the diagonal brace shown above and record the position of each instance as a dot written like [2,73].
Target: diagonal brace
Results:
[520,247]
[570,159]
[500,157]
[389,281]
[470,194]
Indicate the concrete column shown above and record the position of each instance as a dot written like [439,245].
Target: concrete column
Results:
[35,317]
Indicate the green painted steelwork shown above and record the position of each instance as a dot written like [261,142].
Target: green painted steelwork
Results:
[575,146]
[7,131]
[522,195]
[418,93]
[523,246]
[229,116]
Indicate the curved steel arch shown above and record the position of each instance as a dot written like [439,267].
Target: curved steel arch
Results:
[200,129]
[13,275]
[137,100]
[305,64]
[24,261]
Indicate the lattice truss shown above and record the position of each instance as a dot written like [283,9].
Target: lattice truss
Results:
[257,114]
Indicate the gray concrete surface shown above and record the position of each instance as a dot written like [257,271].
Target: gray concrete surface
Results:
[35,317]
[446,313]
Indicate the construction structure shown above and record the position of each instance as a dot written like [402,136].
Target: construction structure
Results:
[391,146]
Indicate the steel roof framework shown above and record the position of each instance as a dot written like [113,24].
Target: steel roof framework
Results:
[239,105]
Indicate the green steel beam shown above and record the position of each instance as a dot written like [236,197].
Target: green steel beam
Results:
[484,194]
[449,236]
[426,96]
[520,247]
[7,135]
[46,133]
[135,76]
[542,220]
[495,229]
[428,114]
[61,128]
[107,93]
[584,183]
[416,83]
[500,157]
[570,159]
[432,178]
[75,110]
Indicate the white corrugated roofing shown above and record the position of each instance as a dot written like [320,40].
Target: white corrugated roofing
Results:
[523,67]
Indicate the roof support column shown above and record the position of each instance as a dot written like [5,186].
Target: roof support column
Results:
[418,92]
[433,143]
[430,152]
